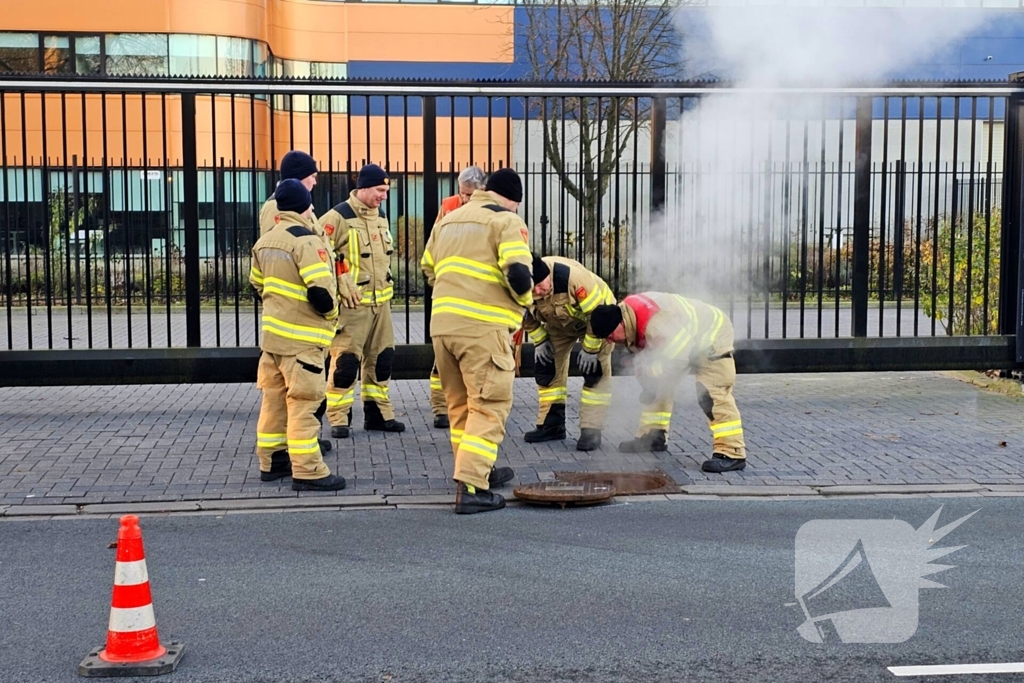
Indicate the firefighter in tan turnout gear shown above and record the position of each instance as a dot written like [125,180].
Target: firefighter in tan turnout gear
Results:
[471,179]
[672,335]
[565,293]
[299,166]
[365,343]
[292,273]
[479,267]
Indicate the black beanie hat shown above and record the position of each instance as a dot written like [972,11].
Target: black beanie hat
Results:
[506,182]
[605,319]
[540,269]
[297,165]
[291,195]
[372,175]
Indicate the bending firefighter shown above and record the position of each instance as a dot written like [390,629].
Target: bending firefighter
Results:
[673,335]
[291,272]
[565,293]
[479,267]
[365,344]
[471,179]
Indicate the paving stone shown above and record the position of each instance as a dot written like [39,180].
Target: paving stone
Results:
[393,499]
[49,510]
[900,488]
[131,508]
[724,490]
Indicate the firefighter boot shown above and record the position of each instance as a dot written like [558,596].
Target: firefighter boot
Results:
[553,428]
[280,467]
[720,463]
[589,439]
[373,420]
[332,482]
[468,503]
[326,445]
[442,422]
[342,432]
[650,442]
[500,475]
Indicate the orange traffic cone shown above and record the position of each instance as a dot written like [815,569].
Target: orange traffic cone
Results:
[133,646]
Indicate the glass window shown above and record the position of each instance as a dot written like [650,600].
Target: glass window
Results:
[137,54]
[329,70]
[291,68]
[19,52]
[87,55]
[234,56]
[193,55]
[57,54]
[260,59]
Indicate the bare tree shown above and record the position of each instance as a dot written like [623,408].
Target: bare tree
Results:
[618,41]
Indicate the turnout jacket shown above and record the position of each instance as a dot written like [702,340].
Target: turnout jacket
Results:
[575,293]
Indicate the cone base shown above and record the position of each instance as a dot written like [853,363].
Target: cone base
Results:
[94,667]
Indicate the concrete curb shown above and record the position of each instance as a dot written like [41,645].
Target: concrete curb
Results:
[380,501]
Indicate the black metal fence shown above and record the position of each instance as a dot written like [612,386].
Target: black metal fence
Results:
[127,209]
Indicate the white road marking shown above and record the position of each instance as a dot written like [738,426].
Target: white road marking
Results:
[957,669]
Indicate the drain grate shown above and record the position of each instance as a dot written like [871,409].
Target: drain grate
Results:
[565,493]
[625,483]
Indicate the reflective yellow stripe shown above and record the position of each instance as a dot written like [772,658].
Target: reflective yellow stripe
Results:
[656,419]
[456,436]
[716,325]
[734,432]
[315,271]
[374,391]
[552,395]
[474,269]
[335,399]
[303,446]
[479,446]
[349,397]
[271,440]
[353,254]
[727,429]
[594,398]
[725,425]
[538,335]
[592,344]
[313,335]
[475,311]
[601,295]
[255,274]
[507,250]
[379,295]
[278,286]
[435,383]
[427,259]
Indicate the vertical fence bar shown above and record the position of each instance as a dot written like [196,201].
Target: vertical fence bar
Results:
[658,116]
[861,217]
[1011,319]
[430,191]
[190,216]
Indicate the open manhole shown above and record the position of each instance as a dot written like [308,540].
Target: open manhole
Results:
[625,483]
[565,493]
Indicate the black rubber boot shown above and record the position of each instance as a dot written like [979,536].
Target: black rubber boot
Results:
[342,432]
[720,463]
[326,445]
[332,482]
[467,503]
[589,439]
[373,420]
[500,476]
[648,443]
[280,467]
[441,422]
[553,428]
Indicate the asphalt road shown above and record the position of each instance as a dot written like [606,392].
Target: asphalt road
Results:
[667,591]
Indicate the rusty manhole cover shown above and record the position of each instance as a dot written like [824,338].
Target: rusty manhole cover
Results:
[565,493]
[625,483]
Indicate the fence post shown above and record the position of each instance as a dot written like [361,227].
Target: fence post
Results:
[1011,270]
[190,218]
[658,115]
[862,216]
[430,192]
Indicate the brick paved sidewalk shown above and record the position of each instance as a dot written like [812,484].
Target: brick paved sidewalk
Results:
[86,445]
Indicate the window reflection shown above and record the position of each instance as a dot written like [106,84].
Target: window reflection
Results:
[137,54]
[87,55]
[56,55]
[19,52]
[193,55]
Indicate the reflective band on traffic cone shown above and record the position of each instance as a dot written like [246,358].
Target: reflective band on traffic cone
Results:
[133,646]
[131,632]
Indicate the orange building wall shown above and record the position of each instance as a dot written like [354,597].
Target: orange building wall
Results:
[136,141]
[294,29]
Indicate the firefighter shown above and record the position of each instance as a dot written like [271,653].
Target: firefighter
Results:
[479,267]
[359,231]
[300,166]
[672,335]
[292,274]
[471,179]
[565,293]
